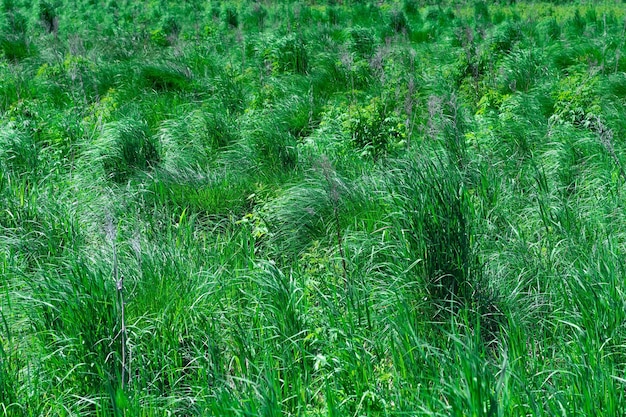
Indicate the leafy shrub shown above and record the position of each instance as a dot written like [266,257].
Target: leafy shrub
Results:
[352,74]
[374,129]
[472,61]
[576,101]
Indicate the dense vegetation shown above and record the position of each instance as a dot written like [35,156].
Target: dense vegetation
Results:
[312,208]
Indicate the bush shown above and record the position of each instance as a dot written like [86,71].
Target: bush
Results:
[373,129]
[576,101]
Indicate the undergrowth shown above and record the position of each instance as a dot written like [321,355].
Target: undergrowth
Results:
[312,208]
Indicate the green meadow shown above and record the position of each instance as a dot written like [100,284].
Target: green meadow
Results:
[312,208]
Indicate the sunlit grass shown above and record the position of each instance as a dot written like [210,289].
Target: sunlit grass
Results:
[330,209]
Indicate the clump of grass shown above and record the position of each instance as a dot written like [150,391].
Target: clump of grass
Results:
[411,7]
[16,48]
[48,17]
[230,16]
[74,319]
[125,148]
[14,41]
[19,152]
[362,41]
[256,16]
[191,143]
[505,36]
[164,77]
[438,227]
[398,23]
[288,53]
[10,365]
[482,16]
[268,133]
[167,34]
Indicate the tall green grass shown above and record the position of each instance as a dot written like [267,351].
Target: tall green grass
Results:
[312,209]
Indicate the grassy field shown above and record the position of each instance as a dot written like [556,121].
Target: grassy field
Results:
[312,208]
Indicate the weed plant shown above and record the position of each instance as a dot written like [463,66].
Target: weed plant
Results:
[331,208]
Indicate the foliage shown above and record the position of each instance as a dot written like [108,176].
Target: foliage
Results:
[362,41]
[312,208]
[373,129]
[286,54]
[124,148]
[48,16]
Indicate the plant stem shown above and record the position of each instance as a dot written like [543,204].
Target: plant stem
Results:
[119,283]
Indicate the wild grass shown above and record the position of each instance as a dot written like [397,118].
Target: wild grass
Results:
[312,209]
